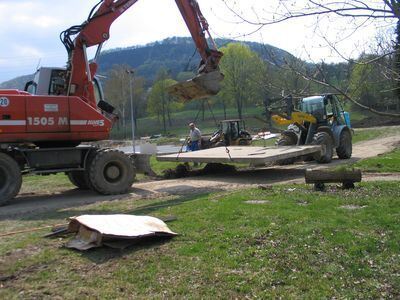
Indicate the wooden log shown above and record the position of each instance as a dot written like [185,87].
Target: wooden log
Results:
[332,176]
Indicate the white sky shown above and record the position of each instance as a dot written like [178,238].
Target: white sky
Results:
[29,30]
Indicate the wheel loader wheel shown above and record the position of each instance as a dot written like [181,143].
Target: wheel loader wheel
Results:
[79,179]
[285,140]
[345,148]
[111,172]
[10,178]
[323,138]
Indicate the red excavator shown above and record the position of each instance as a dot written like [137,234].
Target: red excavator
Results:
[41,127]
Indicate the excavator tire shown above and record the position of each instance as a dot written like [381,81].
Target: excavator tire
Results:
[323,138]
[10,178]
[79,179]
[285,140]
[345,148]
[111,172]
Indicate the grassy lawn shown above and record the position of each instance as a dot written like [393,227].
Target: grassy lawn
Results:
[297,244]
[45,184]
[361,134]
[60,182]
[389,162]
[180,120]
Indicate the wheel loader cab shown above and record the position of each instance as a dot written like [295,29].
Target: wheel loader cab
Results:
[315,106]
[338,113]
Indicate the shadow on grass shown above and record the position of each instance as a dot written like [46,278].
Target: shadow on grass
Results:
[146,209]
[104,254]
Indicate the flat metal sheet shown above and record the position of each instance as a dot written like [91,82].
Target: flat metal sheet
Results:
[241,154]
[123,225]
[96,230]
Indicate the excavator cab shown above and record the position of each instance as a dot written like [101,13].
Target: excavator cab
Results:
[52,81]
[47,81]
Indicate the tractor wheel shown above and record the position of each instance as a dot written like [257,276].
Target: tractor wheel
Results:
[79,179]
[345,148]
[10,178]
[285,140]
[323,138]
[111,172]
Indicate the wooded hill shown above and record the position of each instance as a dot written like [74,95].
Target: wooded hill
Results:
[176,54]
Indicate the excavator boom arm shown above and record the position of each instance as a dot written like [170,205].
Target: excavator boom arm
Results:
[198,27]
[95,30]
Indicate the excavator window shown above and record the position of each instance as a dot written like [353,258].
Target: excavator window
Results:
[57,83]
[31,87]
[98,92]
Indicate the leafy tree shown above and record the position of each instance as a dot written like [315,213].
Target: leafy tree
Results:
[160,103]
[117,91]
[242,69]
[368,84]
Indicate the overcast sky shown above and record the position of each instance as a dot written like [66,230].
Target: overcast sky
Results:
[29,30]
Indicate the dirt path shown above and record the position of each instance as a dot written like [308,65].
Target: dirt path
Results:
[26,205]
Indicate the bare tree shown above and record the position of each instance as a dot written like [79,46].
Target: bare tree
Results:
[359,13]
[362,10]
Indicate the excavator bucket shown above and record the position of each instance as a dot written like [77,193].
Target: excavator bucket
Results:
[202,86]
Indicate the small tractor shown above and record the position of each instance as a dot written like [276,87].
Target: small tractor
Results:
[230,133]
[320,120]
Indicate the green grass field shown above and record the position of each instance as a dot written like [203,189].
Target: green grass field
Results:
[297,244]
[361,134]
[180,120]
[389,162]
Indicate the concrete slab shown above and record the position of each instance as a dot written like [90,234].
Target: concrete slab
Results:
[241,154]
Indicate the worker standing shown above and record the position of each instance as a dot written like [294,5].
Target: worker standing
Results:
[194,138]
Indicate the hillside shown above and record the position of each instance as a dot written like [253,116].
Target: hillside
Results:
[17,82]
[175,54]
